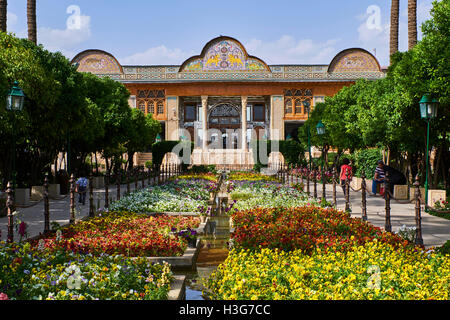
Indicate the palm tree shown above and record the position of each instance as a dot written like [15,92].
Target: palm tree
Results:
[31,19]
[3,5]
[395,11]
[412,23]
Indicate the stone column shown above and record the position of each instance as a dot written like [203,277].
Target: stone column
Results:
[277,119]
[204,121]
[172,125]
[244,123]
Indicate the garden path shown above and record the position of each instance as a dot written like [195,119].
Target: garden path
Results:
[435,230]
[59,210]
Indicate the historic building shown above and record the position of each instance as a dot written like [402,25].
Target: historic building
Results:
[236,97]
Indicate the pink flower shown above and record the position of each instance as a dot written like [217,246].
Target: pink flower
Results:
[3,296]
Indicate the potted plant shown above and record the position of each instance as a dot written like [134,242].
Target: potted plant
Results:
[190,236]
[203,213]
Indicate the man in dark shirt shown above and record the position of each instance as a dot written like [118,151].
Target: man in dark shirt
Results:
[395,177]
[378,176]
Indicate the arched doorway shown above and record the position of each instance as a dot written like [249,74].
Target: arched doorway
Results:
[224,123]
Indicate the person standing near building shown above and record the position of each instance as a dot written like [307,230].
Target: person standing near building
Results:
[346,172]
[378,176]
[82,183]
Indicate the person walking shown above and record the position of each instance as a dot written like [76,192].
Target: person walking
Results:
[346,171]
[378,177]
[82,183]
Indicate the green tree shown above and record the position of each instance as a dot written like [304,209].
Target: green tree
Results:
[142,134]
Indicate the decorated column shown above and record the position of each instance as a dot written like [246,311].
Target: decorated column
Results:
[204,121]
[244,122]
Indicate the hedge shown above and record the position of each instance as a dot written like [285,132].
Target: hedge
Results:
[159,149]
[291,150]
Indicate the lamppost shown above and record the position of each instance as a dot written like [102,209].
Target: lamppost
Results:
[428,111]
[321,131]
[14,102]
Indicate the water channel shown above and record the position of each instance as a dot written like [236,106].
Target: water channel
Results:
[214,250]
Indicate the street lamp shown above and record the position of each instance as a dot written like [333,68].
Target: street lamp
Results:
[321,131]
[158,138]
[14,103]
[15,98]
[428,111]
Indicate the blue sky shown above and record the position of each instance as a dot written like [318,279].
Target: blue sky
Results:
[170,31]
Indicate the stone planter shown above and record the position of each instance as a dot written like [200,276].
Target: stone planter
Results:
[37,193]
[435,195]
[22,196]
[401,192]
[54,190]
[369,184]
[98,182]
[356,183]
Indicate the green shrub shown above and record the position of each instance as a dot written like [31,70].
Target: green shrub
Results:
[366,160]
[291,150]
[159,149]
[148,164]
[445,249]
[241,195]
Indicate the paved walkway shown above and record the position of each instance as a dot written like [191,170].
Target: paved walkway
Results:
[60,210]
[435,230]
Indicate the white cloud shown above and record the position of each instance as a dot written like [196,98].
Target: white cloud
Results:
[289,50]
[160,55]
[65,39]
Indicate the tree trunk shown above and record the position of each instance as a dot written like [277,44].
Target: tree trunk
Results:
[393,42]
[437,162]
[96,164]
[412,23]
[31,19]
[3,15]
[130,161]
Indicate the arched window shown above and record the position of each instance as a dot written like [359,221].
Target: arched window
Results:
[294,99]
[298,106]
[288,106]
[160,107]
[141,106]
[151,107]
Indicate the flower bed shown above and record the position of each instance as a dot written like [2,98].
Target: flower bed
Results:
[127,234]
[250,176]
[180,195]
[29,273]
[373,271]
[252,194]
[305,228]
[205,176]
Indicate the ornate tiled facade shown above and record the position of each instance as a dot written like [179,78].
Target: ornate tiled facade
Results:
[226,59]
[224,73]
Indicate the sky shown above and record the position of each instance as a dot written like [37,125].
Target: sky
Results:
[167,32]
